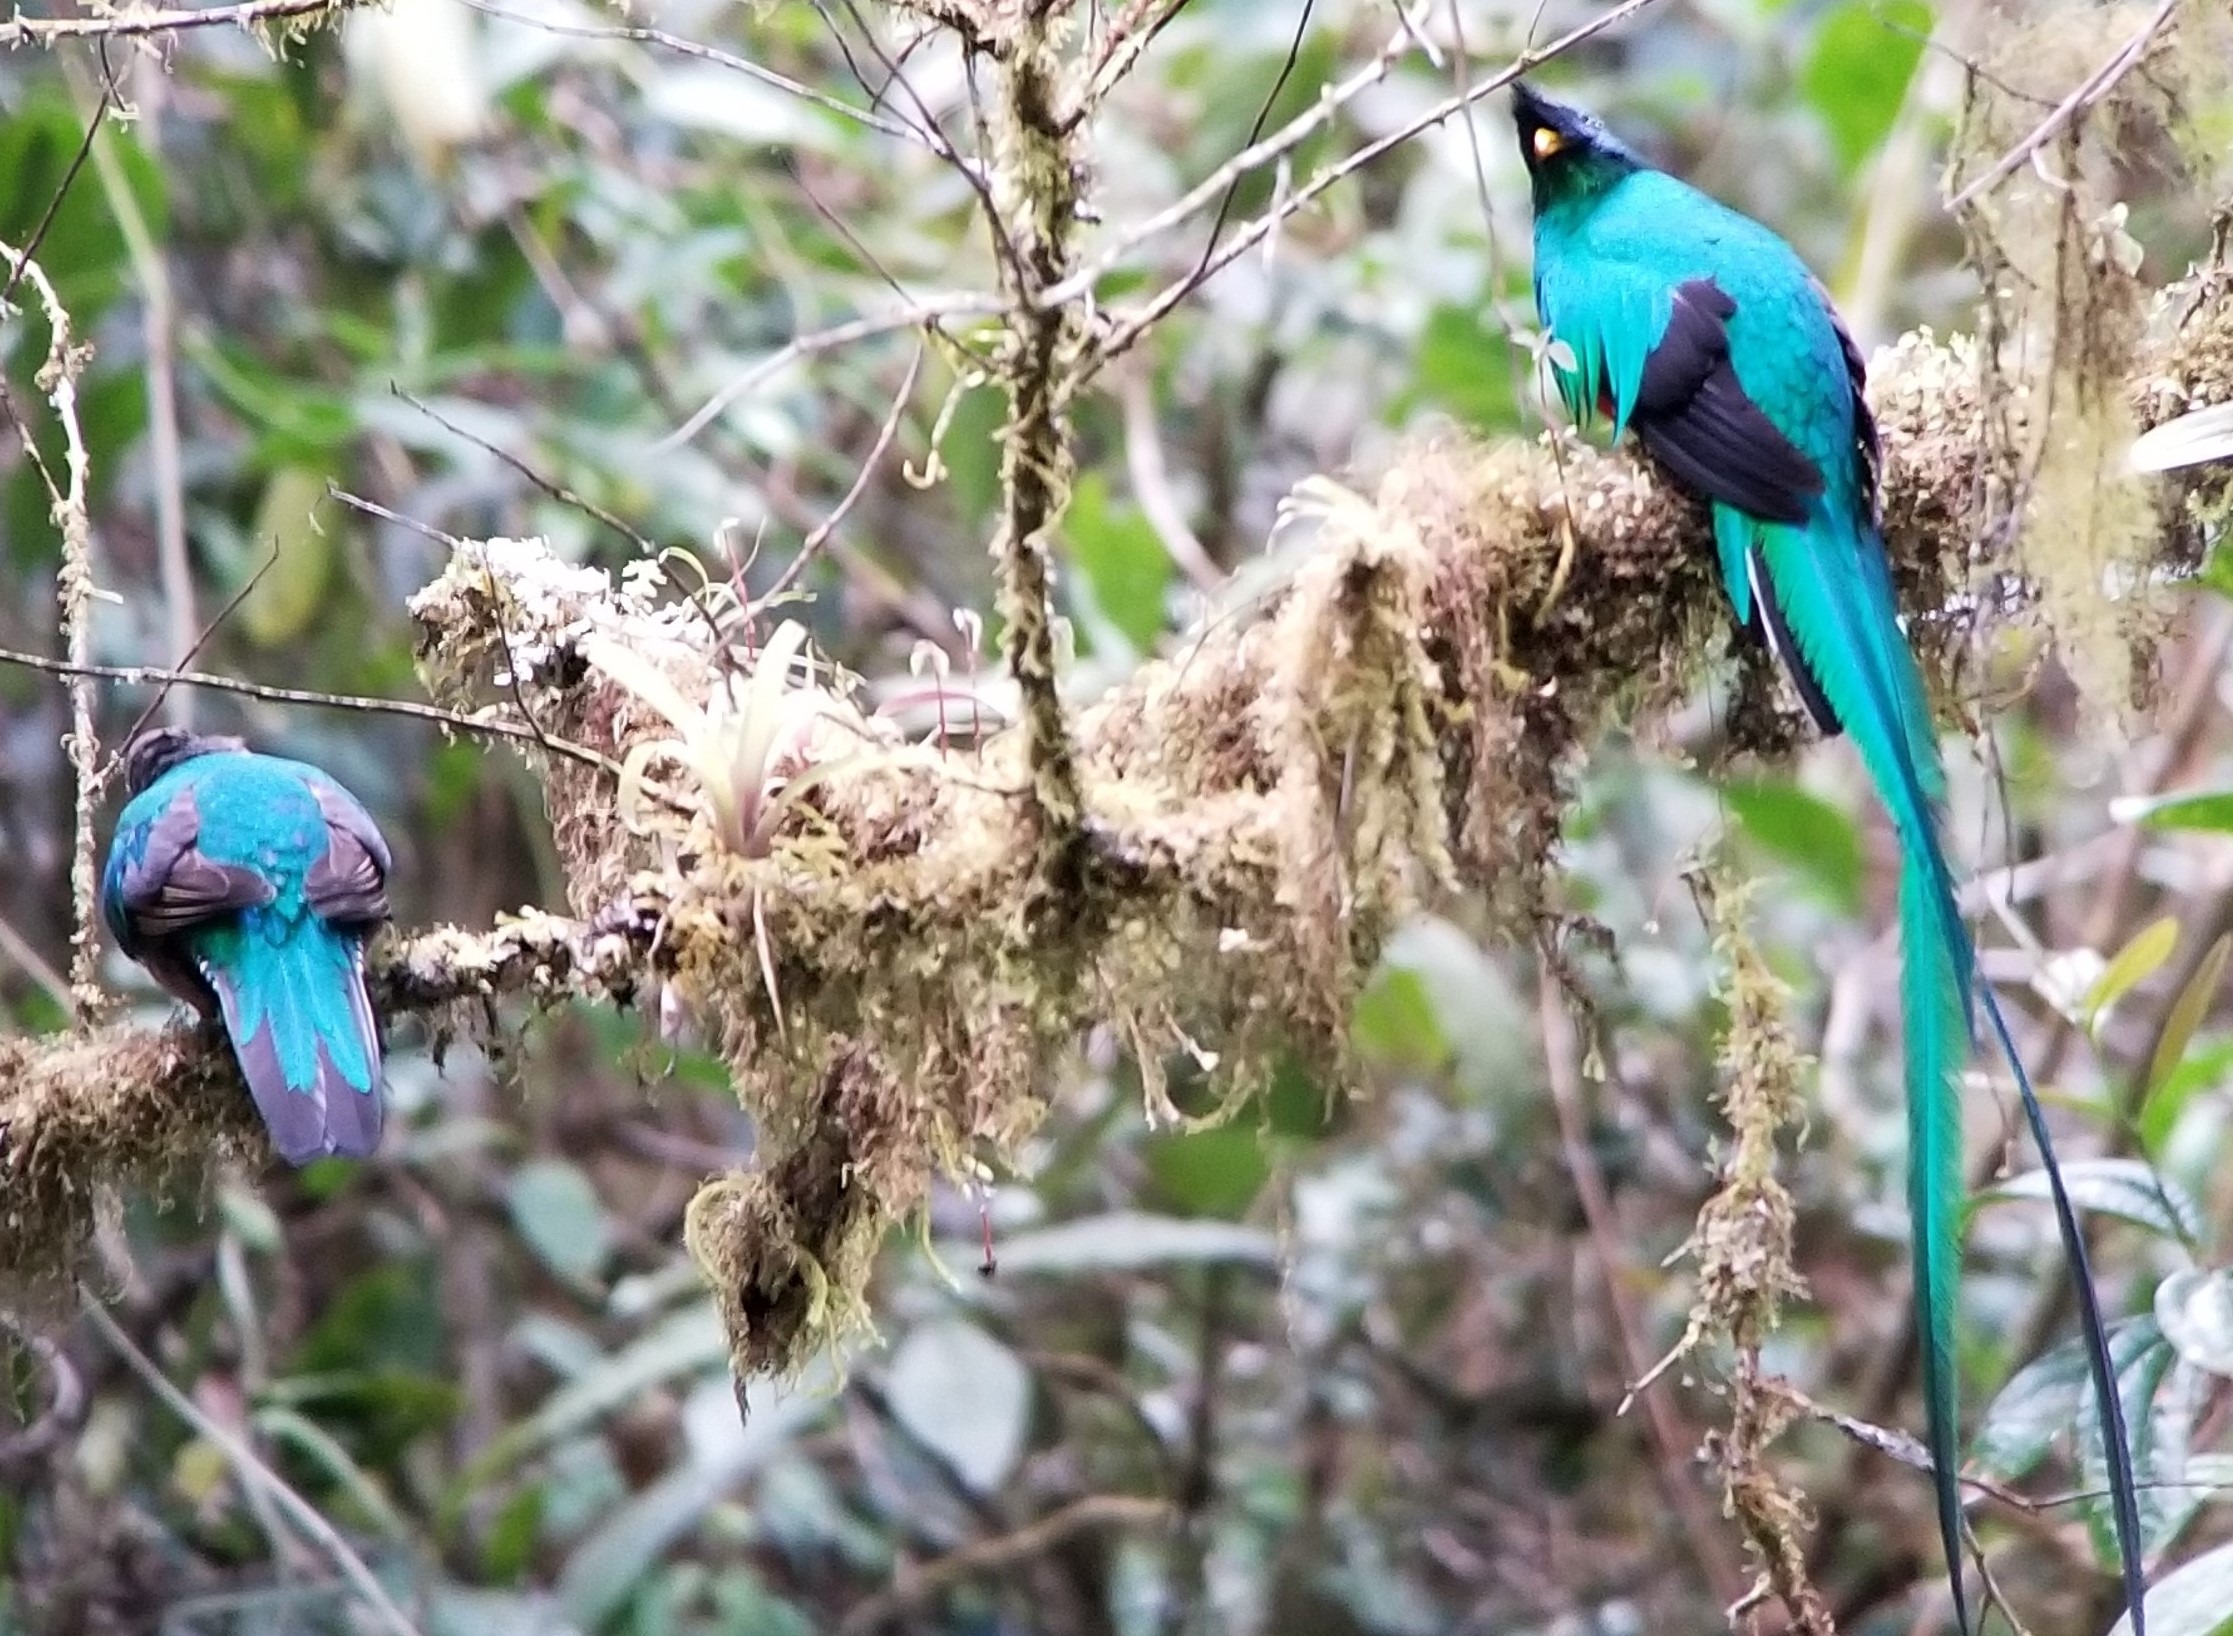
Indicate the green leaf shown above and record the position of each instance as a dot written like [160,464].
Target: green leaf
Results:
[2196,1599]
[82,250]
[971,452]
[2195,1309]
[2038,1404]
[1858,75]
[2133,965]
[690,1342]
[508,1549]
[2198,1070]
[287,535]
[2129,1189]
[1123,561]
[290,1428]
[964,1395]
[747,1604]
[387,1315]
[457,1610]
[2187,1012]
[385,1410]
[1298,1108]
[1467,369]
[2158,1395]
[2054,1393]
[1217,1171]
[295,421]
[1806,832]
[1126,1241]
[2210,810]
[611,1563]
[1394,1025]
[1438,1000]
[557,1212]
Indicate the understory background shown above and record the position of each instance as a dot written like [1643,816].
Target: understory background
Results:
[1348,1363]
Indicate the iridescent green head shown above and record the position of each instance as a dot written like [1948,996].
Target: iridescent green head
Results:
[1570,155]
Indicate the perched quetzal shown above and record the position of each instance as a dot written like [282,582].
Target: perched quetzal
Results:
[248,885]
[1704,333]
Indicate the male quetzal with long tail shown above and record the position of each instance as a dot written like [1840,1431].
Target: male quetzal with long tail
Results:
[1704,333]
[249,885]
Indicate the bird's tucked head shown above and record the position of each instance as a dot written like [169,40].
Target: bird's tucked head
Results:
[155,752]
[1570,155]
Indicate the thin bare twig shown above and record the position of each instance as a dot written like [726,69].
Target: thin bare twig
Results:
[156,675]
[25,953]
[961,17]
[193,649]
[1133,31]
[923,314]
[514,681]
[1461,73]
[1214,187]
[1002,1554]
[811,547]
[719,58]
[1151,483]
[61,192]
[1673,1441]
[974,174]
[253,1472]
[2095,87]
[1396,47]
[1129,331]
[21,30]
[549,485]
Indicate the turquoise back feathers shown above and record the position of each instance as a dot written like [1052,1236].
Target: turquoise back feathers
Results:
[248,885]
[1703,333]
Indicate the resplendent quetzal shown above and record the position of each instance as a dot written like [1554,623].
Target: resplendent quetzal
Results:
[248,885]
[1704,333]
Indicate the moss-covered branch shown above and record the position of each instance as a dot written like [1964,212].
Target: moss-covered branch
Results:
[1036,171]
[1399,719]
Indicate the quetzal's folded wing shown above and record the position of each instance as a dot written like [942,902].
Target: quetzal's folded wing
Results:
[1655,357]
[159,886]
[347,885]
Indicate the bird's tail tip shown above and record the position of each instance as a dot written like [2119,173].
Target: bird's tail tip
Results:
[316,1087]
